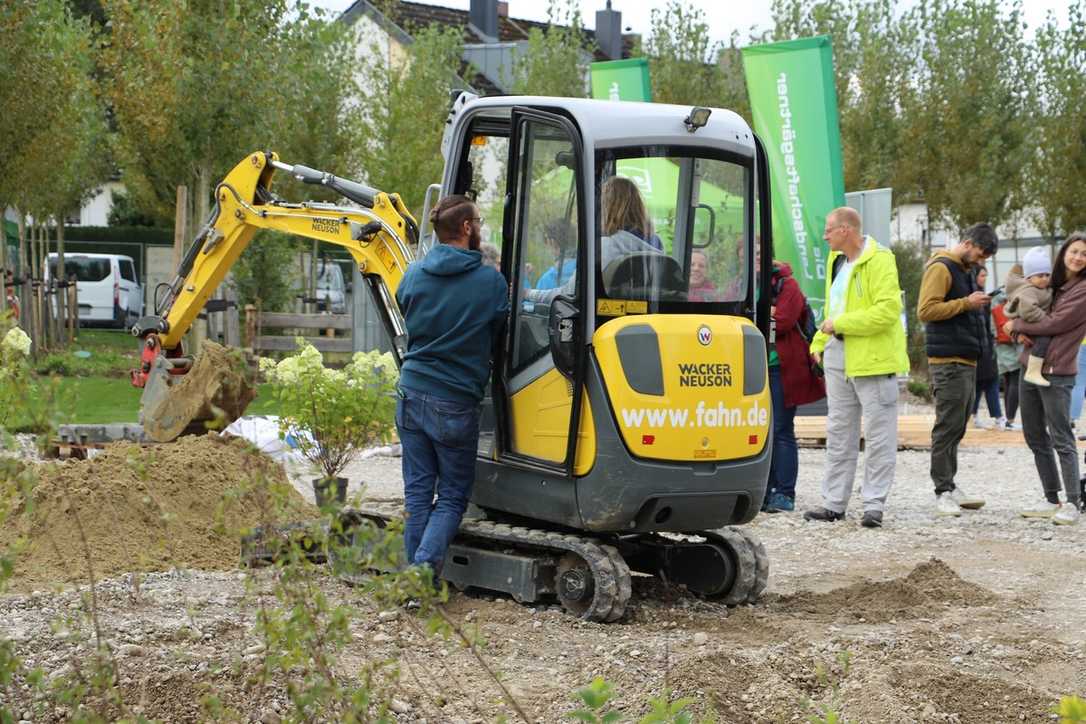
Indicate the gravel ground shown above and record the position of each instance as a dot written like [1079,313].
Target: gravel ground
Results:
[993,630]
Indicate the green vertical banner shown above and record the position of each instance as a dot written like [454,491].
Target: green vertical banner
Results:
[794,105]
[621,80]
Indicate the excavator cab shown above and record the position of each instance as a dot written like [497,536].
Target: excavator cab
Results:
[630,396]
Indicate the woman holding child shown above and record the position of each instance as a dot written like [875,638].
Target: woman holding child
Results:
[1046,402]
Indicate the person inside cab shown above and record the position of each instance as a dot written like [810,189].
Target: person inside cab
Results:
[558,235]
[625,227]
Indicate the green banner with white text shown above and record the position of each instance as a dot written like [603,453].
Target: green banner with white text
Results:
[621,80]
[794,106]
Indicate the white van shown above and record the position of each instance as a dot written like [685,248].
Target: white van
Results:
[331,292]
[106,286]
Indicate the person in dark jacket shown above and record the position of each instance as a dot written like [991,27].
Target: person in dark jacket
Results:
[792,382]
[454,307]
[952,310]
[987,370]
[1046,411]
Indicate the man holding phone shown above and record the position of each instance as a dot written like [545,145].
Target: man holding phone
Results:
[952,309]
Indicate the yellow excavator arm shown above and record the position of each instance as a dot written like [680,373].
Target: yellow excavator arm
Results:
[378,234]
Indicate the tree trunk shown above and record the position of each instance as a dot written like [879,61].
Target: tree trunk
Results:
[60,279]
[24,293]
[203,193]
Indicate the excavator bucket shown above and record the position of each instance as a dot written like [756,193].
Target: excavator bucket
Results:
[218,387]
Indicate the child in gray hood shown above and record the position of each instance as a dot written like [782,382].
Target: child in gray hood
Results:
[1029,298]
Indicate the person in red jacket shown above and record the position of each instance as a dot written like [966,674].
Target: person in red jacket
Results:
[792,382]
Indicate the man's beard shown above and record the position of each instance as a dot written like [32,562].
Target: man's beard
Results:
[475,239]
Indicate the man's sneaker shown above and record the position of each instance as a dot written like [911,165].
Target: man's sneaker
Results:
[1068,514]
[779,503]
[946,506]
[978,424]
[965,501]
[1044,509]
[872,519]
[823,514]
[1001,423]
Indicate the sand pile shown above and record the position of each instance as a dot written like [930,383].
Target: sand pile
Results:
[928,586]
[152,508]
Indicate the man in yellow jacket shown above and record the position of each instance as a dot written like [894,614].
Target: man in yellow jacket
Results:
[861,345]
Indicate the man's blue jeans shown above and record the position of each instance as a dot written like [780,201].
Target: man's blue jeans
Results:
[784,465]
[439,439]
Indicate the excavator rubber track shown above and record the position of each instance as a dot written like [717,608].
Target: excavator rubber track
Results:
[589,575]
[217,387]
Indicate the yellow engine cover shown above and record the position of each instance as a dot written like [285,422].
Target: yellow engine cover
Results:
[679,389]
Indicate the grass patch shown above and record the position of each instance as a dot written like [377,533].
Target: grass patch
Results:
[94,353]
[98,400]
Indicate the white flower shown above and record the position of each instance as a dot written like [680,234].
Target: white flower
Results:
[16,340]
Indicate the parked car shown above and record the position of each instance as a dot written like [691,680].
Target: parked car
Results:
[331,292]
[107,289]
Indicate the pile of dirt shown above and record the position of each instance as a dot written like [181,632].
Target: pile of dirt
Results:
[929,585]
[151,508]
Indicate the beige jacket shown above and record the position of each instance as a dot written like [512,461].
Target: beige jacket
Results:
[1025,301]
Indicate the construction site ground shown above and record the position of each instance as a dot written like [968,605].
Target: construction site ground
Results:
[980,618]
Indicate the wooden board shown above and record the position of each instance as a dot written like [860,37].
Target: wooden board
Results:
[913,433]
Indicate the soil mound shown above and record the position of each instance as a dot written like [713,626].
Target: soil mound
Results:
[932,584]
[150,508]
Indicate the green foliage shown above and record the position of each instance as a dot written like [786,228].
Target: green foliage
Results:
[120,235]
[595,697]
[555,62]
[1070,710]
[122,212]
[831,676]
[910,270]
[333,414]
[405,104]
[277,81]
[52,125]
[920,388]
[14,370]
[871,58]
[968,109]
[1057,170]
[263,275]
[683,60]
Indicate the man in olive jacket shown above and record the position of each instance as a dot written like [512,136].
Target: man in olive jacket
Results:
[861,345]
[955,328]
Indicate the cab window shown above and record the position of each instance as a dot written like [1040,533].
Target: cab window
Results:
[673,227]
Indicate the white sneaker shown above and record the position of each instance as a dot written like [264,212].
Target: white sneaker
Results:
[945,506]
[1068,514]
[978,424]
[1001,423]
[964,500]
[1044,509]
[1013,426]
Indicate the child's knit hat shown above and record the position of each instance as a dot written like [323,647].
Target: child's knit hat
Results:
[1036,262]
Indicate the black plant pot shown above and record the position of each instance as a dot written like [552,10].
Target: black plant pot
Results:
[325,488]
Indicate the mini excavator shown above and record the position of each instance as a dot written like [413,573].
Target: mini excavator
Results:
[627,426]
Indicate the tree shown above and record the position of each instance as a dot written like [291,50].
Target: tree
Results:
[1057,170]
[404,111]
[196,85]
[682,59]
[967,109]
[555,61]
[871,57]
[52,122]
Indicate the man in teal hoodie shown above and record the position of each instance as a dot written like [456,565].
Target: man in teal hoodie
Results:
[454,307]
